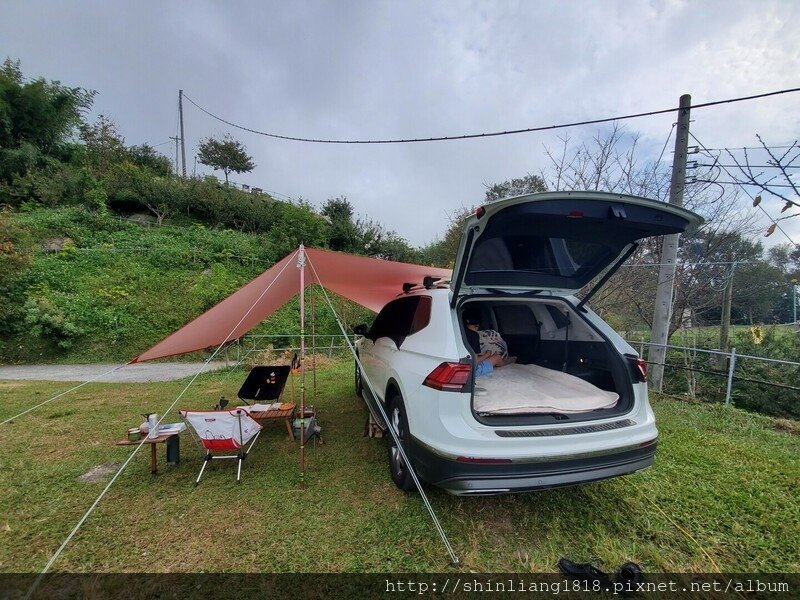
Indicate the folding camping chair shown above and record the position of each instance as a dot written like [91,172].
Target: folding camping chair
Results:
[223,430]
[264,383]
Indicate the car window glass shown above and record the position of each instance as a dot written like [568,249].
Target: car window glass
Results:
[401,318]
[559,318]
[515,319]
[422,315]
[556,256]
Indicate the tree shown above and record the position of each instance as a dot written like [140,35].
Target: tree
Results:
[148,157]
[362,236]
[773,178]
[225,155]
[442,253]
[105,146]
[39,112]
[37,120]
[515,187]
[612,162]
[344,235]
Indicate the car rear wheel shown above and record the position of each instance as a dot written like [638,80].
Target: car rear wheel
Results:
[398,469]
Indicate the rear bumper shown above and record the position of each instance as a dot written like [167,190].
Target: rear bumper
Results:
[465,478]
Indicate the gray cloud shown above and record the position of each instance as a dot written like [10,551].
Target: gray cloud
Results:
[398,69]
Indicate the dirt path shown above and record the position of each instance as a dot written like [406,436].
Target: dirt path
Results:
[137,373]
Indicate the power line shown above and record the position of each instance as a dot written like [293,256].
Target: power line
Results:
[777,185]
[752,148]
[663,149]
[751,166]
[492,134]
[774,222]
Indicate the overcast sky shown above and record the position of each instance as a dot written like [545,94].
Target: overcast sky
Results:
[374,69]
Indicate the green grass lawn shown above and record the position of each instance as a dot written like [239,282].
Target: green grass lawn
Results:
[727,478]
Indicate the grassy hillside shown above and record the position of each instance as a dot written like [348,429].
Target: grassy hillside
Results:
[114,287]
[721,496]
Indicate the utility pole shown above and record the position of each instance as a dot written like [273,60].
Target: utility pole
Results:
[175,138]
[183,139]
[669,252]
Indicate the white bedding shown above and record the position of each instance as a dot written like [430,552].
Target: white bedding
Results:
[516,389]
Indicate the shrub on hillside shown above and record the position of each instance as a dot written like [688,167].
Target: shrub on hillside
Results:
[17,162]
[15,259]
[132,188]
[84,227]
[53,183]
[295,225]
[213,285]
[770,342]
[224,206]
[45,320]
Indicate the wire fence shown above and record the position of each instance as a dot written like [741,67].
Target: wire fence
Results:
[330,344]
[185,255]
[732,367]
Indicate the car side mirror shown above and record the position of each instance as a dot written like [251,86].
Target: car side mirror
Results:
[360,330]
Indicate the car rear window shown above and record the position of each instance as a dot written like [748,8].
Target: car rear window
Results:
[551,256]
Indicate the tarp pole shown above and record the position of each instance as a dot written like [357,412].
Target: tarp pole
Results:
[313,345]
[301,264]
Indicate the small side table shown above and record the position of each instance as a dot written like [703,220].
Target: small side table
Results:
[277,414]
[173,447]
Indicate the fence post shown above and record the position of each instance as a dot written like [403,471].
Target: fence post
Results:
[731,367]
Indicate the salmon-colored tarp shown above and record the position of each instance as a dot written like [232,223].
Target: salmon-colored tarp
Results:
[368,281]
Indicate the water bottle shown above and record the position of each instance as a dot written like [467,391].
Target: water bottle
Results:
[152,423]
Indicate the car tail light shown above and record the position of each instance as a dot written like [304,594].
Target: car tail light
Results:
[575,214]
[640,368]
[449,377]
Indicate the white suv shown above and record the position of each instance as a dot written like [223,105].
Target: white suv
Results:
[573,408]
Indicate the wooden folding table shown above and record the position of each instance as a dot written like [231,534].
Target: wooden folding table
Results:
[161,439]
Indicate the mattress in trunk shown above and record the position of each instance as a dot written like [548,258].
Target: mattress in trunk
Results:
[526,389]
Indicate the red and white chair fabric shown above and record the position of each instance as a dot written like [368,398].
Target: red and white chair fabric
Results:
[223,431]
